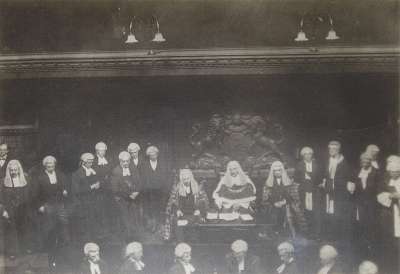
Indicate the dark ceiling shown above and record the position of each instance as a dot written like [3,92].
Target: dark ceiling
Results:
[98,25]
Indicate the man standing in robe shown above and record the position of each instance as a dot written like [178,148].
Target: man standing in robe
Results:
[308,176]
[365,216]
[281,201]
[16,208]
[103,168]
[136,159]
[389,198]
[127,191]
[157,182]
[53,206]
[87,191]
[338,191]
[4,159]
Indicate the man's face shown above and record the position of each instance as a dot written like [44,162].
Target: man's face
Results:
[14,171]
[333,151]
[278,173]
[137,255]
[124,163]
[186,179]
[101,152]
[394,175]
[308,156]
[374,154]
[50,166]
[88,163]
[3,150]
[94,255]
[153,156]
[239,255]
[187,257]
[284,255]
[134,153]
[325,258]
[234,171]
[365,163]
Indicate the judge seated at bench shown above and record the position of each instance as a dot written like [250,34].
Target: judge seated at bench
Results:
[187,201]
[235,191]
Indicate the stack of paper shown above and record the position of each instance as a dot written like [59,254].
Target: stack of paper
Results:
[246,217]
[229,216]
[182,222]
[212,215]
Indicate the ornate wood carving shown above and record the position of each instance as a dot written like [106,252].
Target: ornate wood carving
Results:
[202,62]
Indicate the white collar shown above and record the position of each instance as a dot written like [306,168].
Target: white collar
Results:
[101,161]
[139,264]
[189,268]
[89,171]
[126,171]
[375,164]
[153,164]
[94,268]
[52,177]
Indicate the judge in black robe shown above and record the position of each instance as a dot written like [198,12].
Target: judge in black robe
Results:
[4,159]
[308,176]
[337,203]
[53,204]
[240,261]
[389,218]
[365,215]
[133,263]
[127,192]
[157,181]
[289,265]
[16,209]
[183,261]
[103,167]
[92,263]
[136,165]
[88,206]
[281,201]
[137,161]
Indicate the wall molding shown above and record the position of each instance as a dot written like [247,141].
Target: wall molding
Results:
[376,59]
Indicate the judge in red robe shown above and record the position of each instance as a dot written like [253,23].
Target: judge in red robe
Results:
[235,190]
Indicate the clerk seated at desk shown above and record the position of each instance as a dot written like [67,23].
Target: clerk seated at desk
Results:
[188,202]
[235,191]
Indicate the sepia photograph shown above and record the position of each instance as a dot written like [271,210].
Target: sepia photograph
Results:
[199,137]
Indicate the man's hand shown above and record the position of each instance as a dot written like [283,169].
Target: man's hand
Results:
[95,185]
[179,213]
[280,203]
[351,187]
[196,212]
[41,209]
[65,193]
[323,184]
[134,195]
[236,207]
[5,214]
